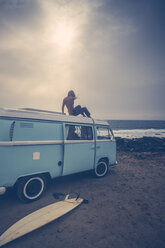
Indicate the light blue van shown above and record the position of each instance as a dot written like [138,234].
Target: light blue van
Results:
[37,145]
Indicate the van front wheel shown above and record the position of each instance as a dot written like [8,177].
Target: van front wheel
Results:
[101,169]
[31,189]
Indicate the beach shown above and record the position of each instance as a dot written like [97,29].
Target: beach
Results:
[126,208]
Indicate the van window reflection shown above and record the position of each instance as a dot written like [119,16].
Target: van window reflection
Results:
[77,132]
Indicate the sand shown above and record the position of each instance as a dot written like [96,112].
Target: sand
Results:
[126,208]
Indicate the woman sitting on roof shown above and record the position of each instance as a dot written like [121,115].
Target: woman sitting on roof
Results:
[69,103]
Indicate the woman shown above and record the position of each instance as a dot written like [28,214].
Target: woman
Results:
[69,103]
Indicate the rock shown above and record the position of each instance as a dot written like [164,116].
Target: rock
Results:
[145,144]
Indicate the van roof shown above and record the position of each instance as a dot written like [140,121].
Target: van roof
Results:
[38,114]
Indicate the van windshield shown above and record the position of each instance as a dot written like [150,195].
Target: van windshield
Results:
[104,133]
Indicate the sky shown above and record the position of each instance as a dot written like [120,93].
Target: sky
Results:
[110,52]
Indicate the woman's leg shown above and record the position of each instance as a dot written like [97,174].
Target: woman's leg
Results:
[77,110]
[85,111]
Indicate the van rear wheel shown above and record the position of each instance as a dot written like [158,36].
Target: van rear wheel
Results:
[31,189]
[101,169]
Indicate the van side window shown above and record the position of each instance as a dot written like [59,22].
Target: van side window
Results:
[77,132]
[103,133]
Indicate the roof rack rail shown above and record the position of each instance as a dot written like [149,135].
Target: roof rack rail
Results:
[42,111]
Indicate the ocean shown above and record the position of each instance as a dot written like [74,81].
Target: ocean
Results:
[138,128]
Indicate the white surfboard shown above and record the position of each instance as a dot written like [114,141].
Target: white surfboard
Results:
[38,219]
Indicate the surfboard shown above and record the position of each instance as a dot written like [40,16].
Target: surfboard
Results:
[39,218]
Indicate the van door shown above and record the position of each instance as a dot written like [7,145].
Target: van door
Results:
[79,149]
[105,144]
[40,148]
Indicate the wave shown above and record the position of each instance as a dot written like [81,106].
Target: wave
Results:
[139,133]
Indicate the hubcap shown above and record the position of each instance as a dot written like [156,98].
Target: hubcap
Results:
[33,188]
[101,169]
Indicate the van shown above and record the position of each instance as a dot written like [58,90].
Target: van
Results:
[38,145]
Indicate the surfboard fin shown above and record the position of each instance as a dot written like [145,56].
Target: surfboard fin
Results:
[85,201]
[57,196]
[78,195]
[66,197]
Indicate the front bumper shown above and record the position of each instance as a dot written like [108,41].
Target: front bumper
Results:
[2,190]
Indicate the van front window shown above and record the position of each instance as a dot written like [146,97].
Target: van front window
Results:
[104,133]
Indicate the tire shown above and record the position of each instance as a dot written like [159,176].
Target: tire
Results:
[31,188]
[101,169]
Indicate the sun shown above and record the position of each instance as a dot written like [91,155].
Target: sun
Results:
[64,35]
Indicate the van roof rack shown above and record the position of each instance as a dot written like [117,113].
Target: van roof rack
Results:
[42,111]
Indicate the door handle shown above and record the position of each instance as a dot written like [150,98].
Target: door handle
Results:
[98,147]
[60,163]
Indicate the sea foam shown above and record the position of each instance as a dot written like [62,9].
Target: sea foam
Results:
[139,133]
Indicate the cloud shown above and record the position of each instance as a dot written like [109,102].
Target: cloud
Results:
[16,13]
[106,60]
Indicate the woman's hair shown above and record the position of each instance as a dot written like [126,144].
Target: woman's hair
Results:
[71,93]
